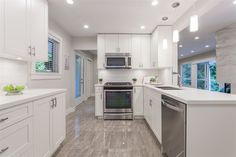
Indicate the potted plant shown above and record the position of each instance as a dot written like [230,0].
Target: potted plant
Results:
[100,80]
[134,80]
[152,80]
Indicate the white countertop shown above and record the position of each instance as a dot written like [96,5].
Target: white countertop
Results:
[197,96]
[29,95]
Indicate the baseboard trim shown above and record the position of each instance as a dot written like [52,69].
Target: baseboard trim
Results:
[70,110]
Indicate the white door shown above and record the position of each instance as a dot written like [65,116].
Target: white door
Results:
[89,79]
[79,78]
[138,101]
[39,29]
[42,129]
[17,28]
[112,43]
[125,43]
[58,121]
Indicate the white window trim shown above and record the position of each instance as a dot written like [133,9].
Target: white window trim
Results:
[50,76]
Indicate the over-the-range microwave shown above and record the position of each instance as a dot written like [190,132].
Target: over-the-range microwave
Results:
[118,61]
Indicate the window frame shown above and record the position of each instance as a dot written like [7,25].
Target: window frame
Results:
[49,75]
[181,70]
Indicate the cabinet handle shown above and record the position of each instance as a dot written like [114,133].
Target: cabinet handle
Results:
[55,102]
[30,50]
[150,102]
[134,90]
[52,103]
[3,119]
[3,150]
[33,51]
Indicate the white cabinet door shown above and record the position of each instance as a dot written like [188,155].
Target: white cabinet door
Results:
[99,101]
[1,27]
[112,43]
[16,28]
[58,121]
[147,107]
[138,101]
[125,43]
[42,127]
[156,115]
[165,58]
[154,50]
[39,29]
[145,51]
[136,52]
[101,51]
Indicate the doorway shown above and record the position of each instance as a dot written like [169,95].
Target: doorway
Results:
[79,78]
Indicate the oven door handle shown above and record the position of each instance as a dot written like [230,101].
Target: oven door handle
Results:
[112,90]
[177,109]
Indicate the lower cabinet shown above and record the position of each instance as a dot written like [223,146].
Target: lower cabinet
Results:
[99,101]
[138,101]
[152,111]
[49,125]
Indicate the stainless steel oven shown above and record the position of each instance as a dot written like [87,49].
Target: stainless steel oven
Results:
[118,100]
[173,128]
[118,61]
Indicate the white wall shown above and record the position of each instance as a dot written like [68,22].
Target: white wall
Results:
[13,72]
[85,43]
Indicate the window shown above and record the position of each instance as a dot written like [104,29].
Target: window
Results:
[51,66]
[186,75]
[214,86]
[202,75]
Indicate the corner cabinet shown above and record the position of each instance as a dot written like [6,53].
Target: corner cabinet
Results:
[24,29]
[49,129]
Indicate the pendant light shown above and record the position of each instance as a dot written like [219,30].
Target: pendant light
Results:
[175,36]
[194,23]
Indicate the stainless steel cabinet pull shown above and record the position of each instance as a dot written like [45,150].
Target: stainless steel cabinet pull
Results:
[52,103]
[3,119]
[3,150]
[30,50]
[177,109]
[33,51]
[55,102]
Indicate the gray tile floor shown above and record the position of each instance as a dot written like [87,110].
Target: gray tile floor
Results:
[88,137]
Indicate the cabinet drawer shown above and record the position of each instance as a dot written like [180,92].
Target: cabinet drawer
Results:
[12,115]
[16,139]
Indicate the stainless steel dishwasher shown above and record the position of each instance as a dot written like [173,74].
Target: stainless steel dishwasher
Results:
[173,128]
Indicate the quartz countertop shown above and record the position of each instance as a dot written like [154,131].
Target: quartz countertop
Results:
[27,96]
[197,96]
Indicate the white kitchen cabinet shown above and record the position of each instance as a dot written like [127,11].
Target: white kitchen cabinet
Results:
[49,130]
[99,101]
[154,50]
[138,101]
[141,51]
[165,58]
[24,29]
[118,43]
[39,29]
[147,107]
[101,51]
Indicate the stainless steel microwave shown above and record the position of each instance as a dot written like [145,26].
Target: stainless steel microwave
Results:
[118,60]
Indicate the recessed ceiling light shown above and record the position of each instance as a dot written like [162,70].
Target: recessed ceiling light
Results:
[180,45]
[142,27]
[175,5]
[181,55]
[19,58]
[206,46]
[155,2]
[192,51]
[165,18]
[70,1]
[196,38]
[86,26]
[234,2]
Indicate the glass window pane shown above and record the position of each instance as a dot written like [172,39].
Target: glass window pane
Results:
[201,84]
[214,86]
[78,76]
[186,75]
[201,70]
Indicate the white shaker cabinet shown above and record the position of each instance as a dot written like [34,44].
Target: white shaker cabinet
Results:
[154,50]
[147,107]
[24,29]
[138,101]
[99,101]
[101,51]
[49,129]
[125,43]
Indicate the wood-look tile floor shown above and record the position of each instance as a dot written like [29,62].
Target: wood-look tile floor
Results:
[88,137]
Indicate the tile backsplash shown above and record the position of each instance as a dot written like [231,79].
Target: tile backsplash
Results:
[13,72]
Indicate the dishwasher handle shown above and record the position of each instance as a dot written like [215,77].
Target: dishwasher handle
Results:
[172,107]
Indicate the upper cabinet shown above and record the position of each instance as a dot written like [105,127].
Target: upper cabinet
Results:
[118,43]
[24,29]
[154,50]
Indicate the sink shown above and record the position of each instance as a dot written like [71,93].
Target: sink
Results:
[169,88]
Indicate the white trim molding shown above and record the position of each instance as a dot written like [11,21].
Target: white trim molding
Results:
[70,110]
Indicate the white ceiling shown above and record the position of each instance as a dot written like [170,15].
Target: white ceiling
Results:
[114,16]
[219,17]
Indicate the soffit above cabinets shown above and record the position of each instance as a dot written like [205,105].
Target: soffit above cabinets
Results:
[109,16]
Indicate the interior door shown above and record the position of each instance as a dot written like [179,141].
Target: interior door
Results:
[79,78]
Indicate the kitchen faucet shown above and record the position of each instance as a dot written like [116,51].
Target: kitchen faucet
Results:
[179,78]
